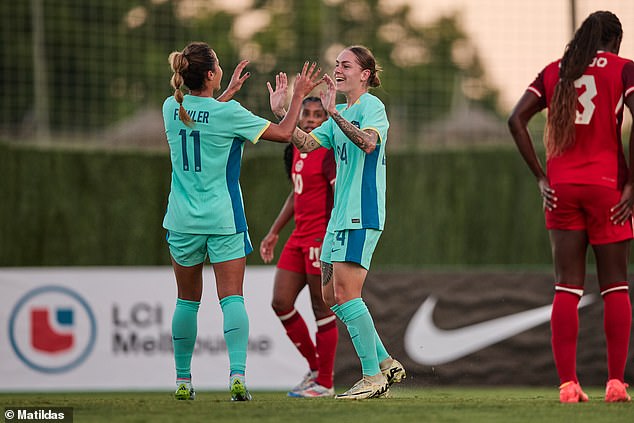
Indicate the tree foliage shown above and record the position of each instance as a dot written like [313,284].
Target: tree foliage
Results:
[106,60]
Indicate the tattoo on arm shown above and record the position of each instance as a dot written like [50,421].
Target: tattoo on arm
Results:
[366,141]
[326,273]
[304,142]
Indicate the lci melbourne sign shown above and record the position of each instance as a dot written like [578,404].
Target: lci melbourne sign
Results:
[110,329]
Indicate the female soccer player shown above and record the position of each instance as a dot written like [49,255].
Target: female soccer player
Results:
[587,189]
[357,132]
[310,202]
[205,212]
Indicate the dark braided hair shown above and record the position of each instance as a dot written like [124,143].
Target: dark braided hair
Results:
[599,29]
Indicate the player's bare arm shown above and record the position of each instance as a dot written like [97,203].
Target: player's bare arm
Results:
[527,107]
[622,212]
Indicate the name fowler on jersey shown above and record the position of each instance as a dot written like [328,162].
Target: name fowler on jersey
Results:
[201,116]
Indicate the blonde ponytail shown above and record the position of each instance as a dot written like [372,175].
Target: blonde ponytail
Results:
[178,62]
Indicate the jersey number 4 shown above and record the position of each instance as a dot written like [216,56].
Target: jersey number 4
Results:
[343,153]
[196,136]
[587,81]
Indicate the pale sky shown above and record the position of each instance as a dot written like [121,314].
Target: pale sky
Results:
[517,38]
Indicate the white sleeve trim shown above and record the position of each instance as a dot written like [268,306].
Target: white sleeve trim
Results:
[535,91]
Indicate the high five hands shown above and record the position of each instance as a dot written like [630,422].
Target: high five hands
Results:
[305,82]
[328,98]
[277,96]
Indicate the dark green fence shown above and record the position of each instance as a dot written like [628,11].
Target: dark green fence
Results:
[97,207]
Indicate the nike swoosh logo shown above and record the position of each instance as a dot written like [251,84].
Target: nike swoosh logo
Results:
[427,344]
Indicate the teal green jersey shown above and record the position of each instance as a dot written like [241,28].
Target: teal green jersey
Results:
[205,196]
[360,184]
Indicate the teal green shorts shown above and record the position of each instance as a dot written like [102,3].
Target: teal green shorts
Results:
[192,249]
[351,245]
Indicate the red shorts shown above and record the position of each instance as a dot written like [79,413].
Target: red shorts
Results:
[301,255]
[587,208]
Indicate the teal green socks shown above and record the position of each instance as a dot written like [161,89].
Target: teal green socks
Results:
[236,332]
[356,316]
[184,331]
[381,351]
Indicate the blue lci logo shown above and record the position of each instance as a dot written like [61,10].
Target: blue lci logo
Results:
[52,329]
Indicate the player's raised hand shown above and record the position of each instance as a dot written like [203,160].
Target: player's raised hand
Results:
[307,80]
[328,97]
[237,79]
[277,96]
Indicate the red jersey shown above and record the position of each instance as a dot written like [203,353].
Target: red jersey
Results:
[312,174]
[596,157]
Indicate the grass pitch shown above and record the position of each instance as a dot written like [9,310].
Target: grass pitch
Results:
[440,404]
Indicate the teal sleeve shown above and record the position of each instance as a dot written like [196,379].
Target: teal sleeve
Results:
[324,133]
[246,124]
[374,117]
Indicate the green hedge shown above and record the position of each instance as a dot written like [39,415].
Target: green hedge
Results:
[102,207]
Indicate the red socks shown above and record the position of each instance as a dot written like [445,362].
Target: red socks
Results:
[297,331]
[320,357]
[327,336]
[617,323]
[564,325]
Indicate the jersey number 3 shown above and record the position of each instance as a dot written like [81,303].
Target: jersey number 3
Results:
[587,81]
